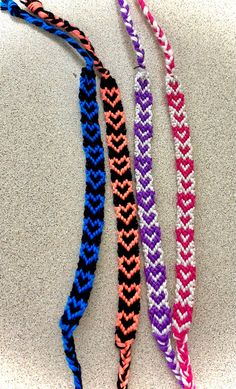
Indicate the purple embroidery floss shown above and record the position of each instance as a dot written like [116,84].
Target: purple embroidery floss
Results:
[155,270]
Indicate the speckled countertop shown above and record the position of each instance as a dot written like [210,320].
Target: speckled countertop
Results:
[42,183]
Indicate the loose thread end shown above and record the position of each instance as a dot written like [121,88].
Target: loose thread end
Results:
[139,67]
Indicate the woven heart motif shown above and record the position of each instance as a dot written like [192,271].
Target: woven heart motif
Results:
[149,217]
[144,133]
[185,274]
[184,294]
[129,294]
[143,83]
[144,116]
[96,179]
[186,201]
[120,166]
[187,184]
[117,143]
[128,239]
[76,309]
[126,213]
[159,322]
[176,101]
[90,107]
[143,164]
[183,316]
[127,322]
[116,120]
[94,203]
[112,97]
[88,253]
[176,95]
[179,117]
[90,133]
[84,280]
[185,236]
[122,189]
[92,227]
[145,182]
[95,155]
[184,149]
[155,274]
[181,133]
[185,166]
[146,199]
[129,266]
[186,255]
[143,148]
[185,219]
[151,236]
[173,84]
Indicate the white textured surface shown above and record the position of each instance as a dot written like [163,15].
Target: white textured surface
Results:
[42,183]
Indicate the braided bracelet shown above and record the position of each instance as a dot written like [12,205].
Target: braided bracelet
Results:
[185,266]
[94,196]
[155,270]
[123,198]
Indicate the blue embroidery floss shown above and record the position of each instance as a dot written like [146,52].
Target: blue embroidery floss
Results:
[94,196]
[93,220]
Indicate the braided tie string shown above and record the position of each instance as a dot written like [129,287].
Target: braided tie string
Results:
[129,25]
[123,198]
[94,197]
[155,270]
[16,11]
[161,37]
[36,7]
[185,264]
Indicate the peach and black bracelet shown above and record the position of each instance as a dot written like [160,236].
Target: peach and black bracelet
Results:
[123,198]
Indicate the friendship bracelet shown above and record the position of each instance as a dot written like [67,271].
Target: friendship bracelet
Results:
[94,197]
[155,270]
[185,266]
[123,198]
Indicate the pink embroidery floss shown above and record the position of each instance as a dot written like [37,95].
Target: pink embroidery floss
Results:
[185,264]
